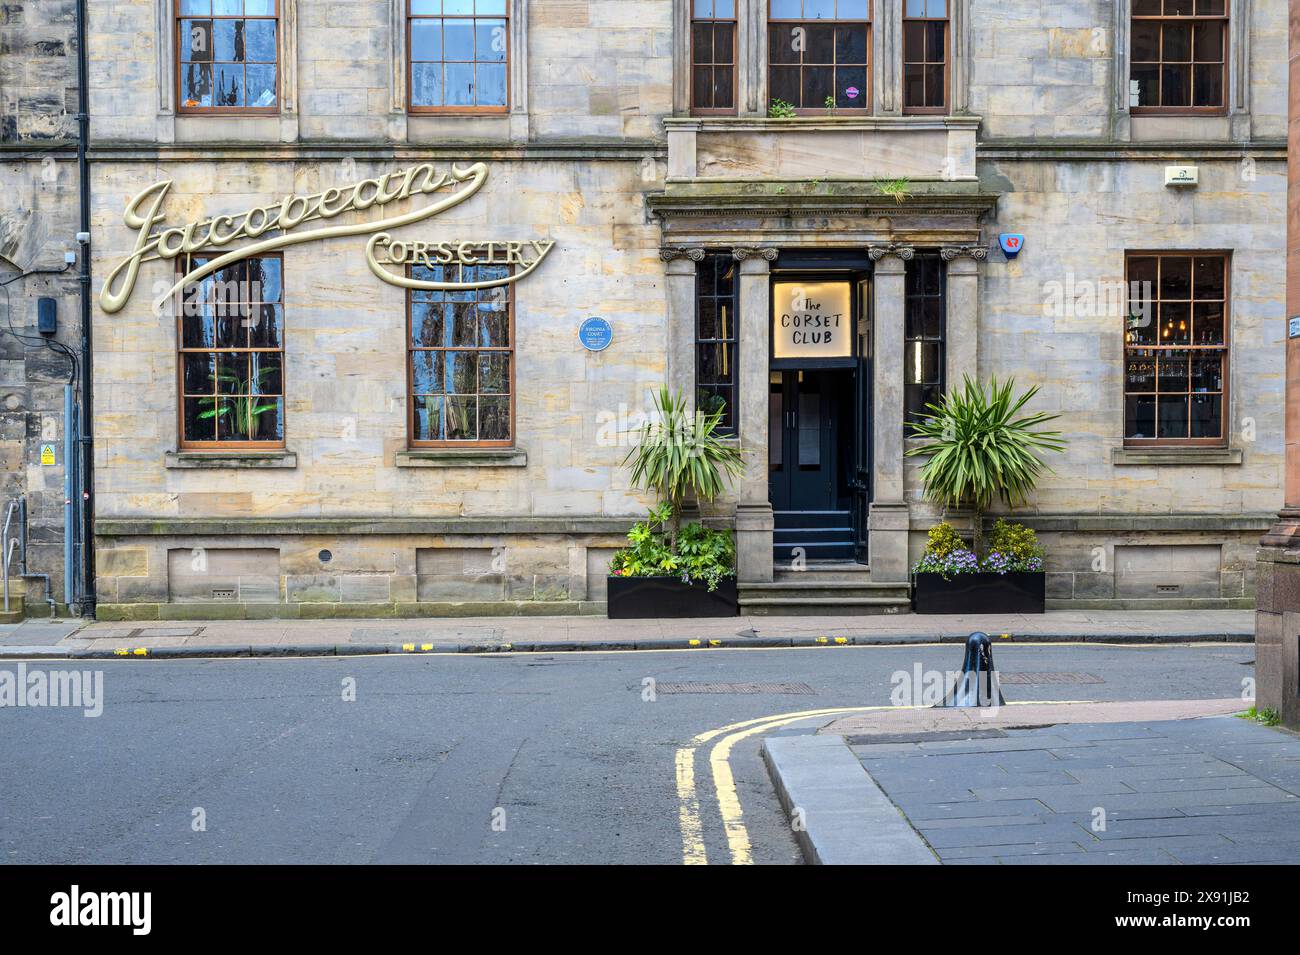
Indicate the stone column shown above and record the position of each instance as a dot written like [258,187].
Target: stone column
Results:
[961,332]
[680,281]
[888,521]
[754,507]
[1277,571]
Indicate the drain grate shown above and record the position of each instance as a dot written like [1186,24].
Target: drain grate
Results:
[165,632]
[800,689]
[1059,677]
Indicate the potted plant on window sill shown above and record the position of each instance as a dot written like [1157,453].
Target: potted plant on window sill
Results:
[980,450]
[668,570]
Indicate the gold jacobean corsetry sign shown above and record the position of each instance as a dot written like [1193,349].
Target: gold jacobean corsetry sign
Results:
[144,214]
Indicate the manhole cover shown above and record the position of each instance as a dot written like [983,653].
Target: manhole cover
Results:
[165,632]
[1027,679]
[802,689]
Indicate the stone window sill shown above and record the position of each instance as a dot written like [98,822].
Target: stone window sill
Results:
[1161,456]
[468,458]
[234,460]
[876,123]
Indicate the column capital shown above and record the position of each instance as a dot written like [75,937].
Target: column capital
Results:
[743,253]
[670,253]
[979,253]
[904,253]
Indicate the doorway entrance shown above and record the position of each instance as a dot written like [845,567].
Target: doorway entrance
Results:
[819,414]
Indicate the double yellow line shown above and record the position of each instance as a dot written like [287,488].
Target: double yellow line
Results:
[724,783]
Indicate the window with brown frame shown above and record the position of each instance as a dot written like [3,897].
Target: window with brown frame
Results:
[230,332]
[458,52]
[1179,56]
[460,351]
[227,56]
[924,349]
[716,339]
[1176,348]
[925,56]
[713,56]
[819,54]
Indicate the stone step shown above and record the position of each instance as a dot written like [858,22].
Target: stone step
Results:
[812,550]
[783,520]
[16,613]
[823,606]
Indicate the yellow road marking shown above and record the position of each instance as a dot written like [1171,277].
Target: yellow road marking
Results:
[724,783]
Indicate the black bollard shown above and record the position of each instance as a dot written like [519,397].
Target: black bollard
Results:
[978,684]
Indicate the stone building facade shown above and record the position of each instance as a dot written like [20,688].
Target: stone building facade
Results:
[38,227]
[361,439]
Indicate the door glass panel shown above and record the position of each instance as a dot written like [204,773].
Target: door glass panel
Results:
[810,430]
[775,411]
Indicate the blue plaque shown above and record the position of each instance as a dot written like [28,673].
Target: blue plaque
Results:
[595,334]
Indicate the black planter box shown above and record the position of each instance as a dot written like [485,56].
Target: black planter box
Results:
[632,598]
[979,593]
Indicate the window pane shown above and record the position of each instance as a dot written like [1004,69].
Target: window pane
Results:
[1175,277]
[1172,415]
[1146,41]
[934,83]
[1209,41]
[851,88]
[199,373]
[1177,42]
[1208,324]
[426,84]
[1147,79]
[851,45]
[913,42]
[462,418]
[491,84]
[460,84]
[263,281]
[464,323]
[1172,370]
[494,373]
[724,9]
[1209,85]
[817,85]
[228,8]
[1207,372]
[266,374]
[1209,276]
[261,85]
[1146,8]
[785,84]
[494,418]
[462,372]
[458,39]
[1207,416]
[228,40]
[1210,8]
[1140,416]
[1176,85]
[266,326]
[853,9]
[490,41]
[196,85]
[784,43]
[230,84]
[723,88]
[724,43]
[428,418]
[259,8]
[260,40]
[1182,8]
[490,7]
[1175,323]
[1140,371]
[427,324]
[426,39]
[426,372]
[819,9]
[195,7]
[786,9]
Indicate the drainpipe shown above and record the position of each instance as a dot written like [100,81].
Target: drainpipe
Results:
[87,372]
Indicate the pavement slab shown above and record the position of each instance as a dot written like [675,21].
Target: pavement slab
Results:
[1136,783]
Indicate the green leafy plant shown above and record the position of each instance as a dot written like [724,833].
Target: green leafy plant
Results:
[981,448]
[1265,717]
[780,109]
[897,188]
[943,540]
[242,411]
[1013,548]
[700,553]
[829,103]
[679,455]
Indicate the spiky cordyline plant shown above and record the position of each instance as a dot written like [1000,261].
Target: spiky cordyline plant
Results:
[679,455]
[980,450]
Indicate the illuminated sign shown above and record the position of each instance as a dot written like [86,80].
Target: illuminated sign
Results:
[811,320]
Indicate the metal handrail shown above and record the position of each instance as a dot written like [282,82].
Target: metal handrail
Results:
[6,547]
